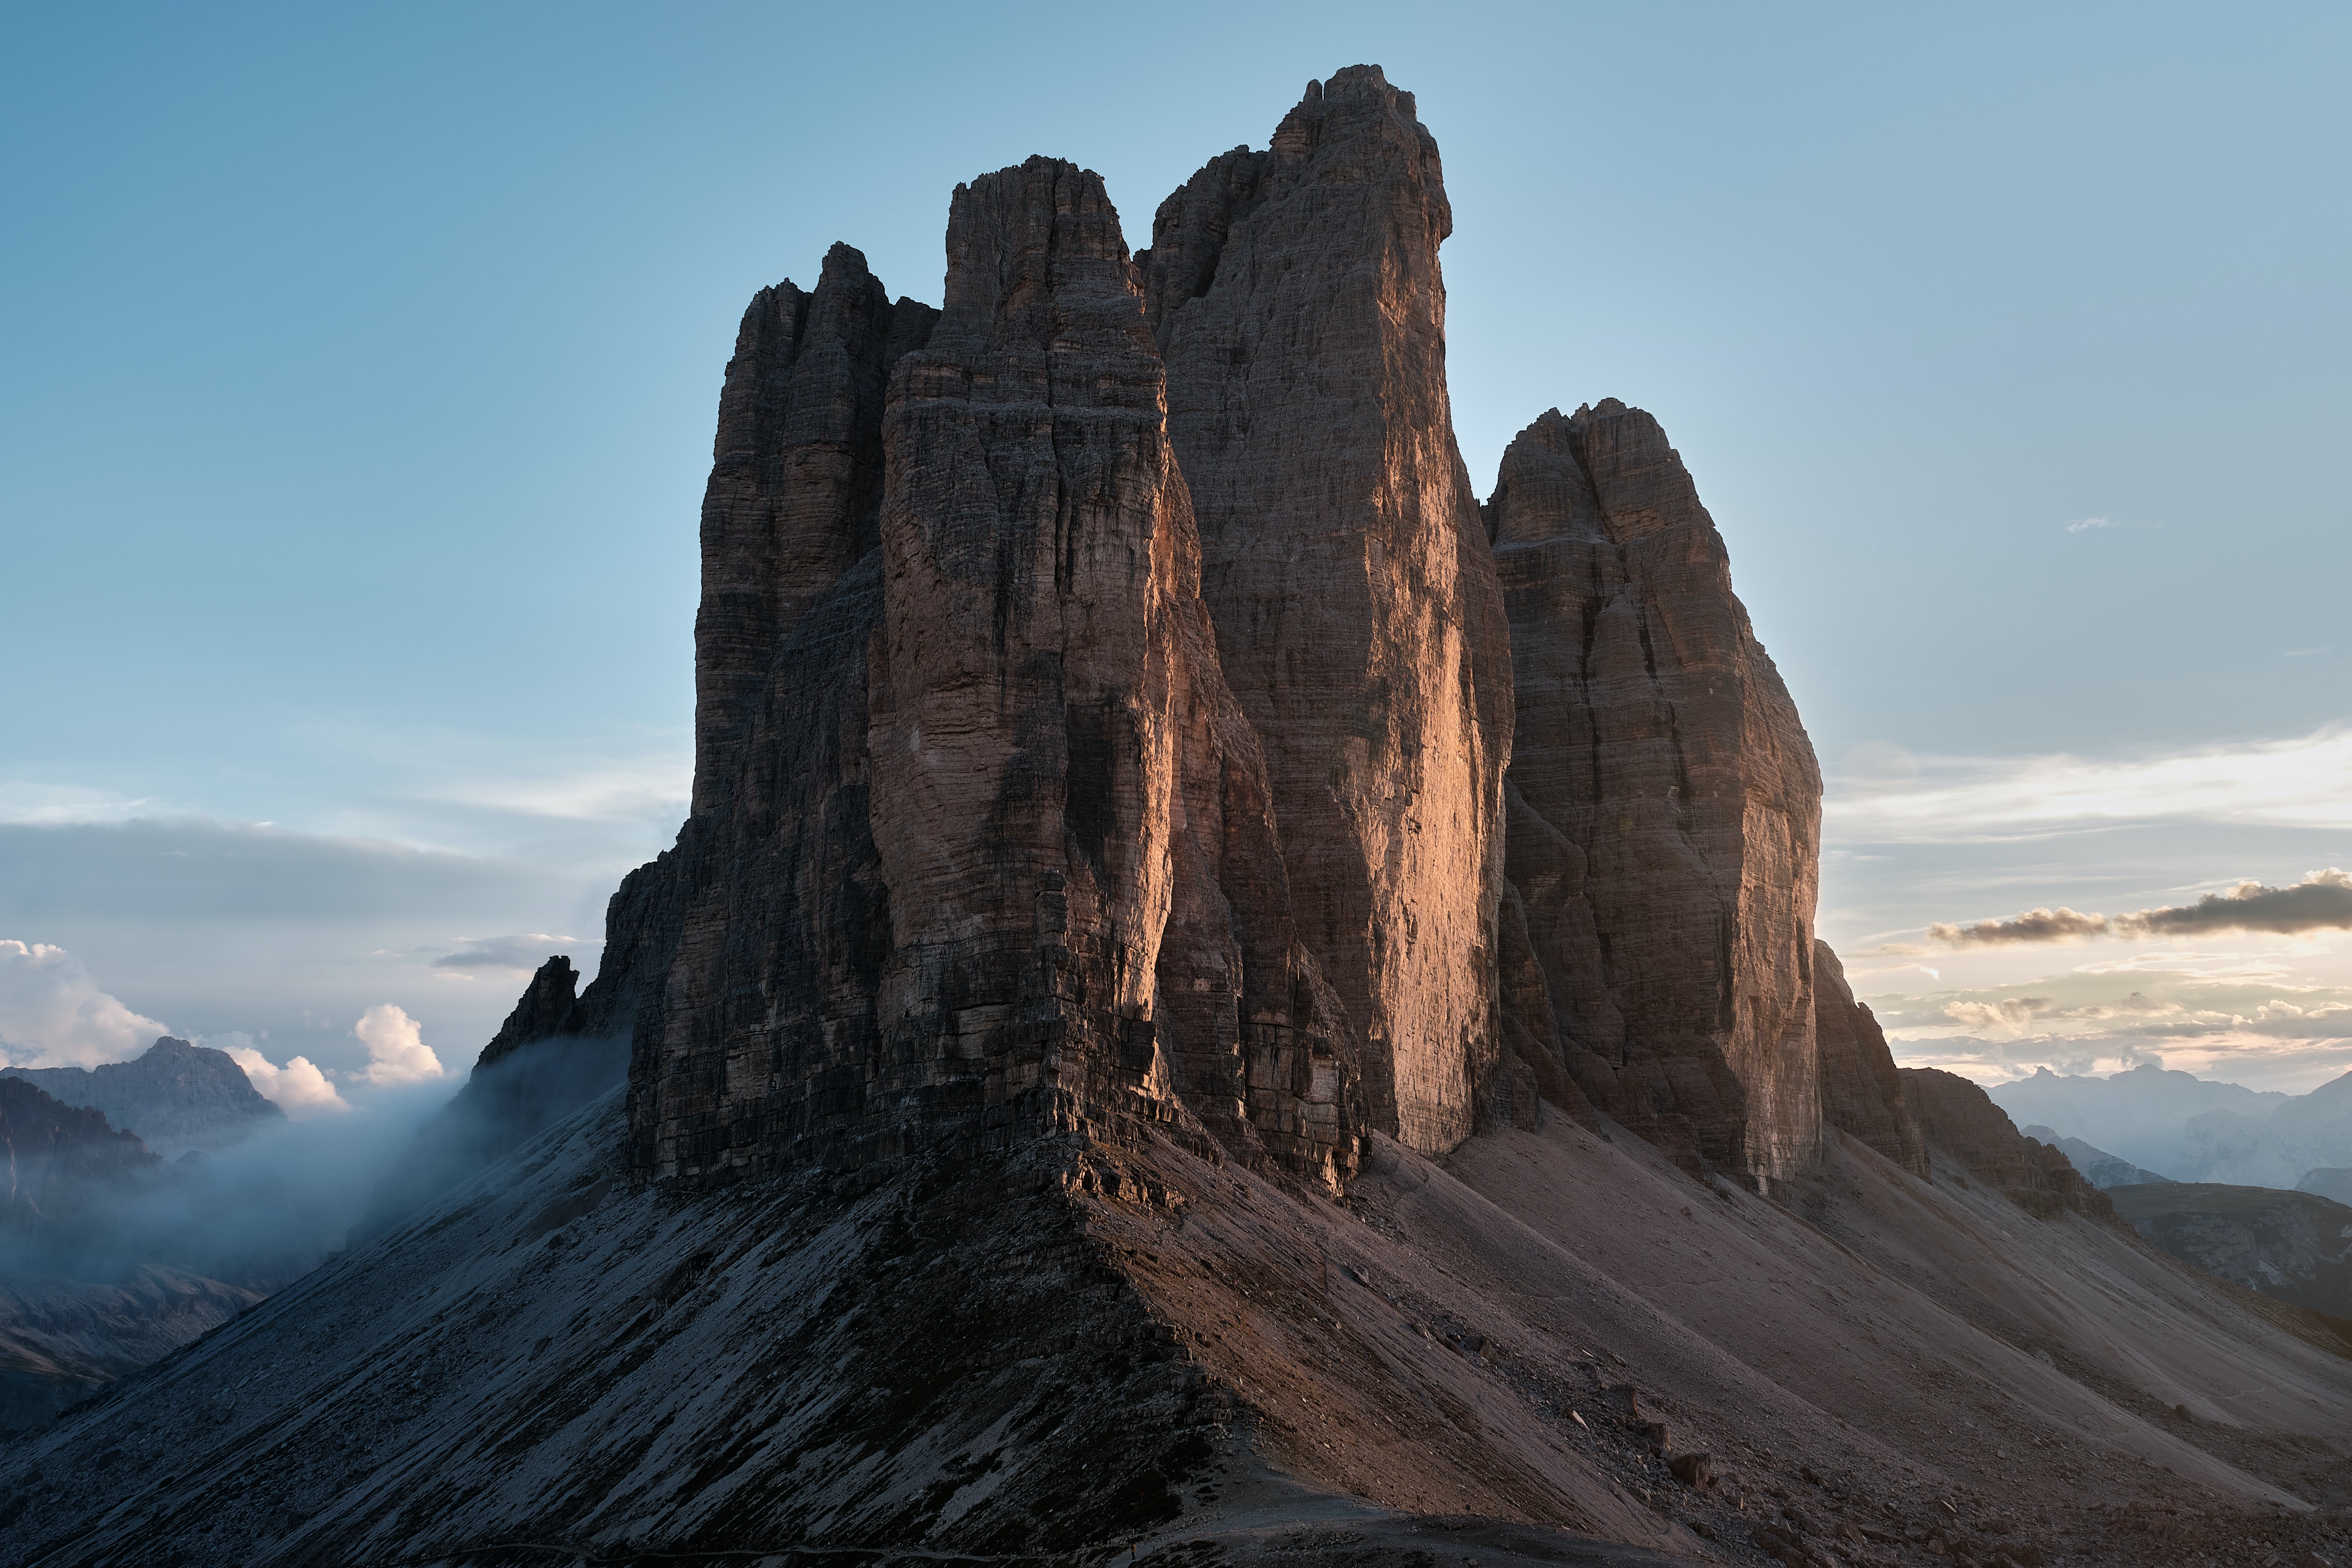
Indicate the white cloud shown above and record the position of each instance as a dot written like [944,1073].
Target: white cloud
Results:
[298,1087]
[2303,782]
[396,1050]
[52,1014]
[2087,525]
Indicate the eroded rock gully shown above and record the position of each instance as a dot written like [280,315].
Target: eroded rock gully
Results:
[1131,1053]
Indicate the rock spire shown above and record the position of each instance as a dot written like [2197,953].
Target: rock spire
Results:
[1665,807]
[1297,295]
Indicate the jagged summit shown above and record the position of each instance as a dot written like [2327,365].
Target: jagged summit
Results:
[1216,999]
[1665,806]
[177,1095]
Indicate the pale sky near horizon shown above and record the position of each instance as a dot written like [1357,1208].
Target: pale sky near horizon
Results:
[361,368]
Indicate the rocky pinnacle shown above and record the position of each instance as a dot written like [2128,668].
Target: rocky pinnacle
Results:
[1297,295]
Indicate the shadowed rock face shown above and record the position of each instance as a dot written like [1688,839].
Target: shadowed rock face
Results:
[2292,1247]
[1861,1093]
[1959,1119]
[1296,296]
[1664,804]
[795,486]
[62,1169]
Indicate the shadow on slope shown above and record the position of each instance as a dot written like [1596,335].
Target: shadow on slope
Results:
[1062,1348]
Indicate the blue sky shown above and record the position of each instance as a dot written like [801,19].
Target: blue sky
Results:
[361,368]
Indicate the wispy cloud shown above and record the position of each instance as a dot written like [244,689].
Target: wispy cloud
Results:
[2088,523]
[524,951]
[2321,902]
[2303,782]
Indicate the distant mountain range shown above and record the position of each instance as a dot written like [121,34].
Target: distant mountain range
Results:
[177,1097]
[2192,1129]
[2105,1170]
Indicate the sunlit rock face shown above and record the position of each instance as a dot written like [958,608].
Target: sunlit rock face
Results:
[1665,804]
[1297,295]
[991,850]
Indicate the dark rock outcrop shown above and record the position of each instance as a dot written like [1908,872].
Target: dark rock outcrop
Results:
[65,1175]
[175,1096]
[2292,1247]
[1961,1120]
[1860,1091]
[1297,295]
[541,1067]
[1665,804]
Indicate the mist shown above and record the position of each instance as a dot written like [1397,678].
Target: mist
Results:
[264,1212]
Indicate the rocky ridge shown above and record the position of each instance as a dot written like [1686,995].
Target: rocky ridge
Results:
[1959,1119]
[174,1095]
[1861,1092]
[2103,1169]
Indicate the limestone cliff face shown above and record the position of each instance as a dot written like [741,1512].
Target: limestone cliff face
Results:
[1959,1119]
[1296,296]
[992,851]
[1860,1092]
[795,488]
[1664,804]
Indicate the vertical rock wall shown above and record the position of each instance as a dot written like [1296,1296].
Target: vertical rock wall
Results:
[1664,804]
[985,844]
[1296,296]
[1861,1093]
[795,484]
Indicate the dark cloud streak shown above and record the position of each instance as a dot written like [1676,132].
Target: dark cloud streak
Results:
[2321,902]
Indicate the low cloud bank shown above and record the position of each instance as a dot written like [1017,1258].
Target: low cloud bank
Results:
[2321,902]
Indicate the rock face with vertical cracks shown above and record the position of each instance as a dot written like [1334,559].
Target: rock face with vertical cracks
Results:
[1297,297]
[1861,1093]
[992,853]
[1664,804]
[795,489]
